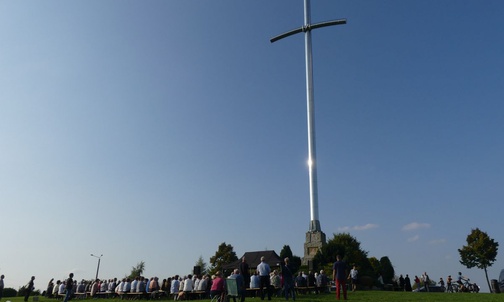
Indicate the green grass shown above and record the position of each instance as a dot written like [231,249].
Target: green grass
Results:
[385,296]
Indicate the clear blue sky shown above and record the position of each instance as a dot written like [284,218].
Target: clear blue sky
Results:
[156,130]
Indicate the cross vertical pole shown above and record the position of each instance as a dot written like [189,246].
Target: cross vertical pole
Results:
[310,110]
[312,158]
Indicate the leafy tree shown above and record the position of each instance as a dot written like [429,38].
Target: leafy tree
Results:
[202,264]
[376,265]
[225,254]
[295,261]
[9,292]
[348,248]
[286,252]
[137,270]
[326,256]
[387,270]
[479,252]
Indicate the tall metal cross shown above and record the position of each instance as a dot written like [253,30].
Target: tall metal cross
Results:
[312,162]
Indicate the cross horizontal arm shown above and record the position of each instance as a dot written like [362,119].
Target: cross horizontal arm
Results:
[329,23]
[285,35]
[308,28]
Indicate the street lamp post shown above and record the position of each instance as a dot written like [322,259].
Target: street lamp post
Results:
[98,267]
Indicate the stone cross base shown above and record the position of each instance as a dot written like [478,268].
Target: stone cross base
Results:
[314,241]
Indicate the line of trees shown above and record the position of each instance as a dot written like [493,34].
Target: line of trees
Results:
[480,252]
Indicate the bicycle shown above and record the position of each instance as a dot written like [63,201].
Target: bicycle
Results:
[452,287]
[469,287]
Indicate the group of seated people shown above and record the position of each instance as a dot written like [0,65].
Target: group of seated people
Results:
[317,281]
[140,285]
[180,288]
[102,287]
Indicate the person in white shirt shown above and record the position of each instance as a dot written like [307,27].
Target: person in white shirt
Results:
[61,289]
[196,282]
[81,287]
[141,285]
[56,288]
[263,269]
[94,287]
[134,285]
[254,281]
[188,284]
[118,288]
[104,286]
[354,277]
[181,284]
[127,286]
[203,284]
[112,285]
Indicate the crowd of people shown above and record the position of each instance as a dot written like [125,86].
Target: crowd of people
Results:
[424,283]
[263,280]
[154,287]
[283,282]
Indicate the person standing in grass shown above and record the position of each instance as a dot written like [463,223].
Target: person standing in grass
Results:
[417,282]
[354,277]
[407,283]
[426,281]
[245,272]
[380,281]
[29,288]
[264,270]
[441,283]
[1,285]
[401,282]
[339,277]
[449,287]
[288,280]
[50,287]
[69,287]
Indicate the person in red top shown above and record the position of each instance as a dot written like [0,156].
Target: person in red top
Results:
[417,282]
[217,288]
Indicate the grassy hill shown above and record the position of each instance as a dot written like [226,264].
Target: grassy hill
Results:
[377,296]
